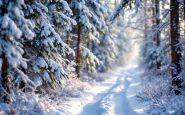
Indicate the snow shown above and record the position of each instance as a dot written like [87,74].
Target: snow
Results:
[91,59]
[116,95]
[33,56]
[20,1]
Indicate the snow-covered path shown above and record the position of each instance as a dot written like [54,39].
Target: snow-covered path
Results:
[103,102]
[115,96]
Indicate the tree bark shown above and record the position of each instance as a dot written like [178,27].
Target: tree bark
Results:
[175,50]
[6,78]
[184,18]
[68,1]
[68,43]
[157,8]
[145,23]
[78,52]
[154,19]
[5,74]
[68,35]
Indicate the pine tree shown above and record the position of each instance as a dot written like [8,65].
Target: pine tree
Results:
[47,51]
[78,55]
[154,52]
[106,51]
[111,43]
[87,30]
[15,30]
[175,49]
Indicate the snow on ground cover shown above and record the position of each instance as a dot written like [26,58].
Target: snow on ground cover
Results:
[28,103]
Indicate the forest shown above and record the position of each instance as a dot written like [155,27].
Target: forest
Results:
[92,57]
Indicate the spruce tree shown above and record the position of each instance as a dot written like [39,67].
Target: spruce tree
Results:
[15,30]
[46,53]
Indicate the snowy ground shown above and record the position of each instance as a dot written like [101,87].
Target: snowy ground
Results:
[115,96]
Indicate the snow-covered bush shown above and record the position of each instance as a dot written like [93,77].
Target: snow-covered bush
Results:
[160,96]
[31,104]
[172,104]
[162,100]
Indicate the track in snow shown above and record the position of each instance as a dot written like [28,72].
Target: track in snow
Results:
[114,100]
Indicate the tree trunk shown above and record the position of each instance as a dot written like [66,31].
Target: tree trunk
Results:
[145,23]
[68,43]
[5,75]
[68,1]
[88,45]
[175,50]
[153,19]
[184,19]
[68,35]
[78,52]
[93,47]
[157,5]
[6,78]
